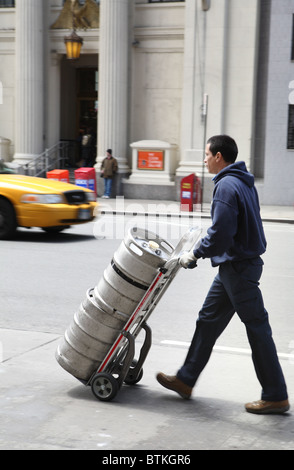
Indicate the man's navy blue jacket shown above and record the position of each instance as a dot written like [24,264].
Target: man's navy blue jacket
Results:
[236,232]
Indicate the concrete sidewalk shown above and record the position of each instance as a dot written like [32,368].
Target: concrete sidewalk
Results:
[45,408]
[120,205]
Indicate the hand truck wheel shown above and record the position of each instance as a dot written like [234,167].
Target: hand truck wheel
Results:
[131,378]
[104,386]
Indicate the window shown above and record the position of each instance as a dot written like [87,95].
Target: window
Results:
[82,2]
[167,1]
[290,139]
[7,3]
[292,49]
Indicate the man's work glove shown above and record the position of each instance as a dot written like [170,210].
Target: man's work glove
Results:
[188,260]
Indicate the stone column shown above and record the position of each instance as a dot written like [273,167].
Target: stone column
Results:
[113,81]
[29,132]
[192,152]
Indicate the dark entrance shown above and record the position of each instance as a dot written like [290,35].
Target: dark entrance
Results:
[79,104]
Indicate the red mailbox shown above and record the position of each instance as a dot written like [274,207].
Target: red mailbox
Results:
[59,175]
[190,192]
[86,177]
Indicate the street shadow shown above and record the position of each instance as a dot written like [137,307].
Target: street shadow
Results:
[39,236]
[222,422]
[144,397]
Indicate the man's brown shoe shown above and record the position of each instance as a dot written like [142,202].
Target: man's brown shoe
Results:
[262,407]
[175,384]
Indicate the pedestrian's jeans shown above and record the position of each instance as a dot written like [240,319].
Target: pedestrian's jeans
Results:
[235,289]
[107,186]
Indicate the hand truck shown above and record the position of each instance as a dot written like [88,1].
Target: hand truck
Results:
[119,365]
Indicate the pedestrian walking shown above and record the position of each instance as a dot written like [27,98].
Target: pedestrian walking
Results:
[234,243]
[108,169]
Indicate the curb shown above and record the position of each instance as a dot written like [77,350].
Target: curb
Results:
[183,215]
[180,215]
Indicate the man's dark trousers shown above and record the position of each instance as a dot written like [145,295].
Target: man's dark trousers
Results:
[235,289]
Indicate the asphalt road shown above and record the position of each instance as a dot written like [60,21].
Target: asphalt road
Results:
[44,278]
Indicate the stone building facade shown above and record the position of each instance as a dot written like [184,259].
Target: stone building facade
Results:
[155,78]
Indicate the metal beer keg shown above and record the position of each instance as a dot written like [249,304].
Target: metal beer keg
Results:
[107,307]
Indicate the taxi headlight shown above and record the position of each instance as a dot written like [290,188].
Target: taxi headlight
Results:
[91,197]
[42,199]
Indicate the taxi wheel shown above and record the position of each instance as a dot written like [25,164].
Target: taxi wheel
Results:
[7,220]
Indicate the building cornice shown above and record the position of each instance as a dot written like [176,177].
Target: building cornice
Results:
[7,41]
[157,32]
[90,37]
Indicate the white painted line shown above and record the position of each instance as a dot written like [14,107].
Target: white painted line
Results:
[247,352]
[216,348]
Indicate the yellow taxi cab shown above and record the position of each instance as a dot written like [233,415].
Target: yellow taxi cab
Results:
[27,201]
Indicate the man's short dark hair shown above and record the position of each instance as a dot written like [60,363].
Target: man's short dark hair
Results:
[225,145]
